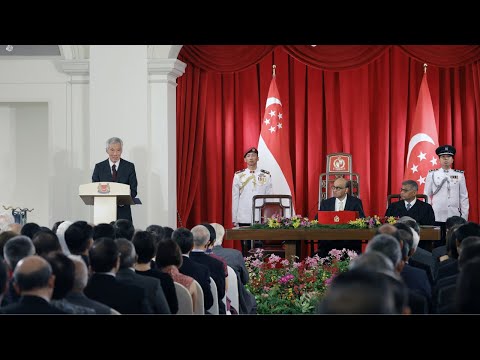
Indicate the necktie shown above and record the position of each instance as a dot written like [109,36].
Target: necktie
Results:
[340,206]
[114,172]
[409,206]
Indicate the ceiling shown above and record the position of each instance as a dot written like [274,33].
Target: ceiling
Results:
[30,50]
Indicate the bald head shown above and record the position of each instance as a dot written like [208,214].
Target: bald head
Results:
[387,229]
[32,272]
[81,273]
[15,227]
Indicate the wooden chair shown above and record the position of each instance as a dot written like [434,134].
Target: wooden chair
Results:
[396,197]
[264,207]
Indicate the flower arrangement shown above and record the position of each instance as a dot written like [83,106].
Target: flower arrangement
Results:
[282,286]
[373,221]
[296,221]
[300,222]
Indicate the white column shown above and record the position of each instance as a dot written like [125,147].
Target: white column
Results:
[162,204]
[77,136]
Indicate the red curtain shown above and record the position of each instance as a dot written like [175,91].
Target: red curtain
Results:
[359,102]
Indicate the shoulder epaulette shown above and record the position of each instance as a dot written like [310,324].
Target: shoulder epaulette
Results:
[239,171]
[460,171]
[433,170]
[265,171]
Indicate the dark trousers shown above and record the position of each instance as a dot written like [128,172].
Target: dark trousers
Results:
[246,244]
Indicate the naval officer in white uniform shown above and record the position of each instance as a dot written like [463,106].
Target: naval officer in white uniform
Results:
[447,190]
[247,183]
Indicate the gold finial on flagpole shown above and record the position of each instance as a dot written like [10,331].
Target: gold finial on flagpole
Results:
[274,66]
[425,68]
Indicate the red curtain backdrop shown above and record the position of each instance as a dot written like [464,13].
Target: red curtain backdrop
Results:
[354,99]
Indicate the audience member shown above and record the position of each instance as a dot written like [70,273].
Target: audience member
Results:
[126,275]
[146,249]
[45,242]
[236,261]
[64,271]
[169,260]
[79,239]
[184,238]
[61,235]
[105,288]
[358,292]
[103,230]
[201,237]
[124,229]
[34,281]
[76,295]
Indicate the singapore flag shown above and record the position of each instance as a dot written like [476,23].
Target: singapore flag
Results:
[421,156]
[273,144]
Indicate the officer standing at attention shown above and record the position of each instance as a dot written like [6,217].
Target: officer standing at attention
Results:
[247,183]
[447,190]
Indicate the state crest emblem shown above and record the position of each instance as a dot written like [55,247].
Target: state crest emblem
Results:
[103,188]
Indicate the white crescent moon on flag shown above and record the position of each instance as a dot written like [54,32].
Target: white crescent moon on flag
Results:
[272,100]
[417,138]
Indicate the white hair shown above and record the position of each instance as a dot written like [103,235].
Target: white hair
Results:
[6,219]
[220,231]
[416,239]
[61,236]
[113,140]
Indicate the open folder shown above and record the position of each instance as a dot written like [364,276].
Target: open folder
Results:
[336,217]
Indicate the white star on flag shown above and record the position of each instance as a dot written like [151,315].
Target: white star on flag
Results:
[423,138]
[273,146]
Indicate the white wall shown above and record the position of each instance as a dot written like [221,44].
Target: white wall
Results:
[61,112]
[25,155]
[34,82]
[118,107]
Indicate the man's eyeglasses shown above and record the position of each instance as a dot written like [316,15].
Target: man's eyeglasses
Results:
[405,190]
[337,188]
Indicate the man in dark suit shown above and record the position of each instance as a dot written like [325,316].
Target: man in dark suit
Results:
[184,238]
[126,275]
[201,237]
[408,205]
[116,169]
[103,285]
[340,201]
[34,280]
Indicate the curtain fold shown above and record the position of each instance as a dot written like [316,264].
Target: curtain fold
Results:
[364,111]
[443,55]
[225,58]
[335,57]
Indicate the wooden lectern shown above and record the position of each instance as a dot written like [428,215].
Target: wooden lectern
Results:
[105,196]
